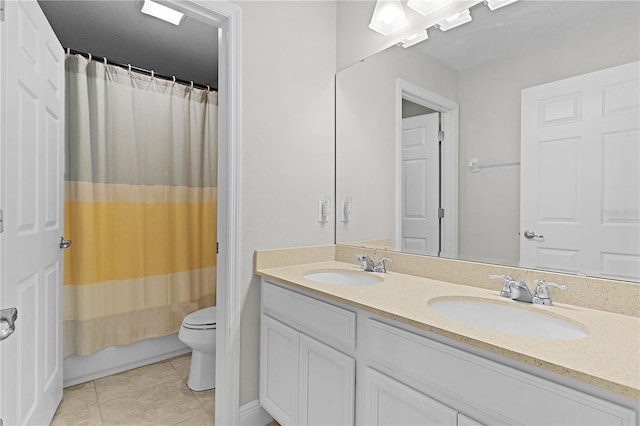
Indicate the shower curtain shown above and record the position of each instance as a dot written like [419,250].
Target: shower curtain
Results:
[140,205]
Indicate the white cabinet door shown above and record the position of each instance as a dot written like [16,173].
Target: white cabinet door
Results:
[389,402]
[32,166]
[279,370]
[327,382]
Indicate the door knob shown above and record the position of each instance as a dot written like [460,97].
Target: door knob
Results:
[529,235]
[64,244]
[9,316]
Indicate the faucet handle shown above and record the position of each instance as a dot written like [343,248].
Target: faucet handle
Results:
[366,263]
[541,295]
[506,285]
[380,266]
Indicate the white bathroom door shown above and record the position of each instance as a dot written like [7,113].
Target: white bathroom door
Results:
[420,191]
[31,173]
[580,178]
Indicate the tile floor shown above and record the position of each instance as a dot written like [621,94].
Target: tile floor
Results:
[155,394]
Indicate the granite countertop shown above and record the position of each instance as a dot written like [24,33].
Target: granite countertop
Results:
[609,357]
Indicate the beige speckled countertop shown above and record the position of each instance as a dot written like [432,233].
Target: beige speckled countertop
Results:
[608,358]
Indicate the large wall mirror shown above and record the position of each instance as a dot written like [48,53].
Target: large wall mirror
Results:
[512,140]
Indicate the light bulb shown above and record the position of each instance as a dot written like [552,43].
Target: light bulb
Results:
[453,17]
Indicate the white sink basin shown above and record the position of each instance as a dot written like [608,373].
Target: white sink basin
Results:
[338,277]
[508,319]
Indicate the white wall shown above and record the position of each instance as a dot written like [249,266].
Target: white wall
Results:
[288,67]
[365,139]
[489,97]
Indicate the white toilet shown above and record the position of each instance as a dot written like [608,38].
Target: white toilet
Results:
[198,331]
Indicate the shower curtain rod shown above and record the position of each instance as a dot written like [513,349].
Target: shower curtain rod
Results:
[140,70]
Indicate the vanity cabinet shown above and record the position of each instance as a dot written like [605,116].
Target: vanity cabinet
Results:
[405,375]
[390,402]
[304,381]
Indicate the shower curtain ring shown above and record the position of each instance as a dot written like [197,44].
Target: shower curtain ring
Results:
[152,74]
[208,88]
[129,68]
[105,60]
[192,85]
[174,79]
[90,57]
[68,51]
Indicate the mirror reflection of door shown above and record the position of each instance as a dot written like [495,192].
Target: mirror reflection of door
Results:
[580,174]
[420,164]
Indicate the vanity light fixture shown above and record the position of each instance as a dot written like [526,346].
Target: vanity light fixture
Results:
[414,39]
[388,17]
[424,7]
[497,4]
[455,20]
[162,12]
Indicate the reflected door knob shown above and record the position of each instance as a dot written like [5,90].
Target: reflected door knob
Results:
[529,235]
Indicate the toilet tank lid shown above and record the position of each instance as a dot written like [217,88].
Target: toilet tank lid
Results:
[204,316]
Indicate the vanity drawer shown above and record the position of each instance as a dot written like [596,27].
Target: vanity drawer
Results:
[328,323]
[507,395]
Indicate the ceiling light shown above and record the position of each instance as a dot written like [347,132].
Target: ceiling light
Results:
[388,17]
[414,39]
[497,4]
[424,7]
[162,12]
[455,20]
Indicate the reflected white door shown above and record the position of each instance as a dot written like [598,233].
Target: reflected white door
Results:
[32,166]
[580,174]
[420,185]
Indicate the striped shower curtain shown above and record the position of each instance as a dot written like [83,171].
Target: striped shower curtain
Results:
[140,205]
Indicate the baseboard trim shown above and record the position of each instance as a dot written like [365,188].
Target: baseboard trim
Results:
[252,414]
[116,359]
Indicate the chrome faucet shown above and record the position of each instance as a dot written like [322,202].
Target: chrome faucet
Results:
[506,288]
[518,290]
[541,295]
[381,266]
[367,264]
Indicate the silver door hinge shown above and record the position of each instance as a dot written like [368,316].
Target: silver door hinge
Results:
[2,5]
[217,252]
[440,213]
[440,135]
[1,227]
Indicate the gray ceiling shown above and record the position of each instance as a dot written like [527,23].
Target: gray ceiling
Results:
[518,27]
[117,30]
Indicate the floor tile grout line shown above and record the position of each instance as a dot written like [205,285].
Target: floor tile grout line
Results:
[204,401]
[124,373]
[200,402]
[95,390]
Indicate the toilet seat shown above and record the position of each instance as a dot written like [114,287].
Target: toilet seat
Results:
[203,319]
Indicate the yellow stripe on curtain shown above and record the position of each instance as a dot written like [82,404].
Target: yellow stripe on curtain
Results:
[138,245]
[147,262]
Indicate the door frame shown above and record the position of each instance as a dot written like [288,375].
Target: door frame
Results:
[227,17]
[449,160]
